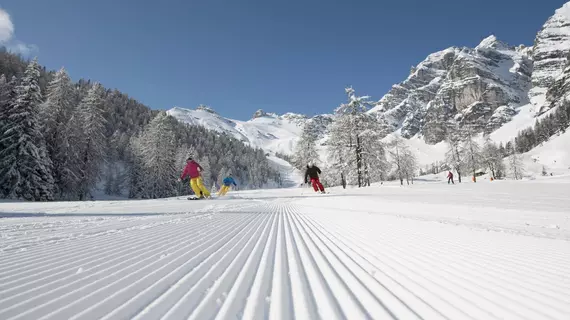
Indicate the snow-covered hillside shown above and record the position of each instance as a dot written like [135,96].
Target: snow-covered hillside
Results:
[268,131]
[553,156]
[431,251]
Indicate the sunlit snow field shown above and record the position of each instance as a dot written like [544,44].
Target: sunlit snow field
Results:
[490,250]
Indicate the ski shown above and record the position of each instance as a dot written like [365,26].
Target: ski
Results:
[202,198]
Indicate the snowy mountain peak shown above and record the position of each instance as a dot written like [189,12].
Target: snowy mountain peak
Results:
[259,113]
[491,42]
[206,108]
[564,11]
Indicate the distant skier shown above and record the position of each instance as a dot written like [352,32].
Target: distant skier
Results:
[193,169]
[313,172]
[450,177]
[227,182]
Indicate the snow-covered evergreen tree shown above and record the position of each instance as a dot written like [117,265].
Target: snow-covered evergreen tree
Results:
[306,149]
[410,165]
[471,153]
[159,157]
[374,161]
[56,114]
[398,152]
[516,167]
[354,143]
[25,168]
[493,159]
[340,153]
[137,176]
[562,117]
[92,142]
[541,132]
[5,101]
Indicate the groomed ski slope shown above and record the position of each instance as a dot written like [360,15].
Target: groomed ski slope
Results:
[491,250]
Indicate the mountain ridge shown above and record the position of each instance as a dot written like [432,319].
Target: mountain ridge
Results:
[269,131]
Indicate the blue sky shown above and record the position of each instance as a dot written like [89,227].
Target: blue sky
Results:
[239,56]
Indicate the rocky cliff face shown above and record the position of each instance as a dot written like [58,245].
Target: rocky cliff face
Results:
[480,87]
[550,55]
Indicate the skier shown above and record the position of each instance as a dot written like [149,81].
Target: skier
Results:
[193,169]
[313,172]
[450,177]
[227,182]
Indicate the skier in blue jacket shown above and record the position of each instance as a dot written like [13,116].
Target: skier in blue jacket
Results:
[227,182]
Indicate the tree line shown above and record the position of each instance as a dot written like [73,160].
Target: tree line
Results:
[357,155]
[61,140]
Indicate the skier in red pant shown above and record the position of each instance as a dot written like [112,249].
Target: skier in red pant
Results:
[313,172]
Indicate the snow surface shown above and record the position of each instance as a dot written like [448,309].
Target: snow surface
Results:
[553,155]
[429,251]
[290,175]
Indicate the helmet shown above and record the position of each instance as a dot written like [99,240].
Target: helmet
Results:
[310,164]
[189,159]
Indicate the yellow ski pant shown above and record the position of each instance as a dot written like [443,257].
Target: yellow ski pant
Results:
[198,187]
[224,190]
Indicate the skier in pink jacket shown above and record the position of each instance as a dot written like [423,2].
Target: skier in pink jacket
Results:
[193,169]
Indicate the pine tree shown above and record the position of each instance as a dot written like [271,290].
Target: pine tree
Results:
[305,149]
[398,152]
[5,100]
[353,136]
[137,176]
[159,157]
[502,150]
[339,146]
[56,114]
[410,165]
[375,164]
[541,132]
[92,142]
[515,164]
[471,153]
[562,118]
[492,158]
[25,168]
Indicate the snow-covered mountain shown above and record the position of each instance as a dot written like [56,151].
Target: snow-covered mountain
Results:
[268,131]
[482,86]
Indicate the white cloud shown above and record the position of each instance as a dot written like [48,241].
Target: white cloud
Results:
[8,39]
[6,26]
[22,48]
